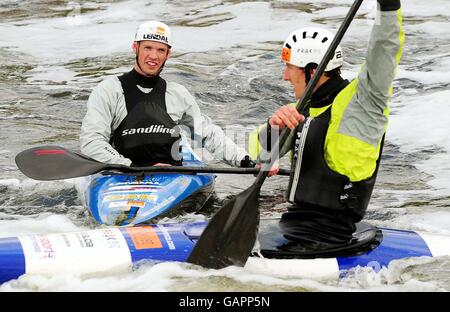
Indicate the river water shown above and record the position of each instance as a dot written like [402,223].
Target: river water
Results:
[52,53]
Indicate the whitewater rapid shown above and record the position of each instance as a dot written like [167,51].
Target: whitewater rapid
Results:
[227,54]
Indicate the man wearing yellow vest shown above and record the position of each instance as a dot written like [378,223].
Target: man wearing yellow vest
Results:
[337,144]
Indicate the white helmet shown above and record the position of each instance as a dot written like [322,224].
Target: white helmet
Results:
[309,45]
[154,31]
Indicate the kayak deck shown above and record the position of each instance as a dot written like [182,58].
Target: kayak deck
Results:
[121,199]
[274,245]
[125,199]
[121,249]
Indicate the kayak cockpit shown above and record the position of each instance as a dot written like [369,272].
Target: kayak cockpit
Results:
[272,244]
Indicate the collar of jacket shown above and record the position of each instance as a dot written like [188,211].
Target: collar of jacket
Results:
[144,81]
[326,93]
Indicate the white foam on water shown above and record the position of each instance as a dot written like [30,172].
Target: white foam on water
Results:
[172,276]
[429,77]
[60,39]
[112,30]
[395,278]
[148,278]
[56,74]
[30,184]
[415,126]
[14,224]
[432,222]
[418,8]
[36,224]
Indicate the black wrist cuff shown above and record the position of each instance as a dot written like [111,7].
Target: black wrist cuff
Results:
[247,162]
[389,5]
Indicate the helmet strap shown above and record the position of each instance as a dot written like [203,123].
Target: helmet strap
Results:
[137,57]
[308,69]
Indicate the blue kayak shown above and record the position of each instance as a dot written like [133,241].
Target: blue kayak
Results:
[116,250]
[129,199]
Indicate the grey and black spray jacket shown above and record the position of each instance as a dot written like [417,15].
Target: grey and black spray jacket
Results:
[107,109]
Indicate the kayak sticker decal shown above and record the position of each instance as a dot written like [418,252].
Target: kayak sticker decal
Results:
[139,183]
[167,237]
[286,54]
[136,203]
[106,250]
[144,237]
[158,207]
[149,197]
[43,152]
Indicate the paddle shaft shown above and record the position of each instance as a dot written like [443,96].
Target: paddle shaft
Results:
[48,163]
[193,169]
[303,102]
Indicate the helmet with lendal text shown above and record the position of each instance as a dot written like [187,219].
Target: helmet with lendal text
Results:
[154,31]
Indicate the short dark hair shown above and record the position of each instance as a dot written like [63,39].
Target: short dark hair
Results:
[333,72]
[330,73]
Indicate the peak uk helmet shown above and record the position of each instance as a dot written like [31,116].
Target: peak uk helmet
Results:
[308,45]
[154,31]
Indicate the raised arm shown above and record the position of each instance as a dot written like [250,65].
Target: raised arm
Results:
[358,125]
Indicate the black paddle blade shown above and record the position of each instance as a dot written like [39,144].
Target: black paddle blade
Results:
[55,163]
[230,236]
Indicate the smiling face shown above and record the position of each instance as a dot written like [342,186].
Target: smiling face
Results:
[151,56]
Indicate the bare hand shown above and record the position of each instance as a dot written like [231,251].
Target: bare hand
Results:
[286,115]
[273,171]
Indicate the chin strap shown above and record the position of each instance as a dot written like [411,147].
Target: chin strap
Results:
[308,69]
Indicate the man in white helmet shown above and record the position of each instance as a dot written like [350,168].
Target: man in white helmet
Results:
[336,145]
[134,118]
